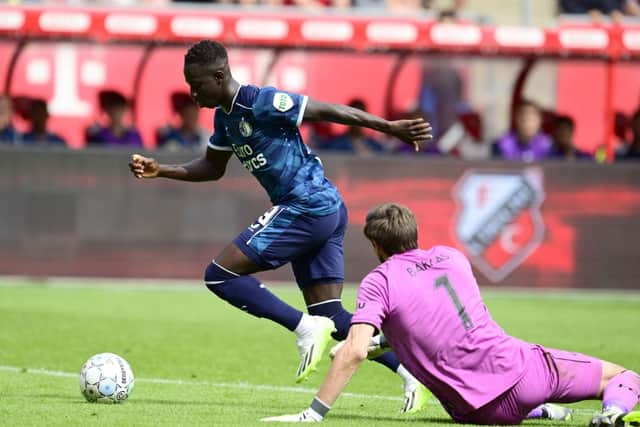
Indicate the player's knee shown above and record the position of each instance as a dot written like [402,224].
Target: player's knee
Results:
[216,279]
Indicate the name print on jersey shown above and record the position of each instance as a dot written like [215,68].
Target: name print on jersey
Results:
[248,160]
[426,264]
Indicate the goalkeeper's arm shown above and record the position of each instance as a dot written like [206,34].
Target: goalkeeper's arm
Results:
[378,345]
[345,364]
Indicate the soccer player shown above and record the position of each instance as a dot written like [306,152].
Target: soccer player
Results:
[429,306]
[305,226]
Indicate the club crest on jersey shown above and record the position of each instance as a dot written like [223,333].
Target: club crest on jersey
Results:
[499,222]
[245,127]
[282,101]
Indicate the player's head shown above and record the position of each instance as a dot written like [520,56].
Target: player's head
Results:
[563,128]
[39,114]
[392,229]
[114,104]
[206,70]
[186,108]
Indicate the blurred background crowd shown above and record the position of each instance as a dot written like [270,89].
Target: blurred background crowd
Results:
[533,132]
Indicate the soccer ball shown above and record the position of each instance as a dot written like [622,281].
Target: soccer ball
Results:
[106,378]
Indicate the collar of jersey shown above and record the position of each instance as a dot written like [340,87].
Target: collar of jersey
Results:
[233,102]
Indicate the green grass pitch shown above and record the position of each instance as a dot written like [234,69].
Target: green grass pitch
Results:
[199,361]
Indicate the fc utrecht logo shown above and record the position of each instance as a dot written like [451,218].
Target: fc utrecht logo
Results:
[499,221]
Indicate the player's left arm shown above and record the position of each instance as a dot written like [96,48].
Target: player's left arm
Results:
[412,131]
[345,364]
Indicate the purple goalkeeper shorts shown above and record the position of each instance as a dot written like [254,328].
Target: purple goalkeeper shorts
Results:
[551,376]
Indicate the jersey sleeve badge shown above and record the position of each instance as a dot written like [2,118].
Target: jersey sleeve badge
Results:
[282,101]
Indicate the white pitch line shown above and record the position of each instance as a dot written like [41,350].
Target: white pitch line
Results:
[154,285]
[241,386]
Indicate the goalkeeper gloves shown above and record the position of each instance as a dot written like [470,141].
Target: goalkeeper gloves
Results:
[313,414]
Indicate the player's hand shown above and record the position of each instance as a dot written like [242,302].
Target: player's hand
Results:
[377,347]
[306,416]
[412,132]
[143,167]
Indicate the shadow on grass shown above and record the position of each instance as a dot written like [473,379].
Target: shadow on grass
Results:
[408,419]
[427,420]
[79,400]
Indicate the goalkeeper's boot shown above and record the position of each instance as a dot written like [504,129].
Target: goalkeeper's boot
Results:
[549,411]
[415,396]
[614,418]
[312,344]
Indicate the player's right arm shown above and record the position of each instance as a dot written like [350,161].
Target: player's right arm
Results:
[209,167]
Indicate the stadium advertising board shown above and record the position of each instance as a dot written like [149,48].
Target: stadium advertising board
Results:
[80,213]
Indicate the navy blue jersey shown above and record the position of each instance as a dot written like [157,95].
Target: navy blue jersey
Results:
[262,130]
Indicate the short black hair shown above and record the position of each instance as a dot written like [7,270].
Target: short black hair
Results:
[111,98]
[205,52]
[564,120]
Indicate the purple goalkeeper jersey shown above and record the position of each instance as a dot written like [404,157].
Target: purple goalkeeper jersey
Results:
[428,305]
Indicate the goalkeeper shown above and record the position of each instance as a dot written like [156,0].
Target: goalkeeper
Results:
[428,305]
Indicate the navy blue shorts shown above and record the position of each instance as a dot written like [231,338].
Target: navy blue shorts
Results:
[312,244]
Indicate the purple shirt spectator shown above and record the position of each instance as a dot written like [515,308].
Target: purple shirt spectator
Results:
[102,136]
[510,148]
[526,142]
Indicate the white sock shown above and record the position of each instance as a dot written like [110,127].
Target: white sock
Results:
[405,375]
[305,327]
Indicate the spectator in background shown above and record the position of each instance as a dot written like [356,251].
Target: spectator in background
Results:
[405,7]
[441,94]
[632,150]
[38,115]
[8,134]
[413,6]
[188,135]
[563,146]
[464,139]
[595,8]
[632,7]
[621,132]
[354,140]
[526,142]
[114,105]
